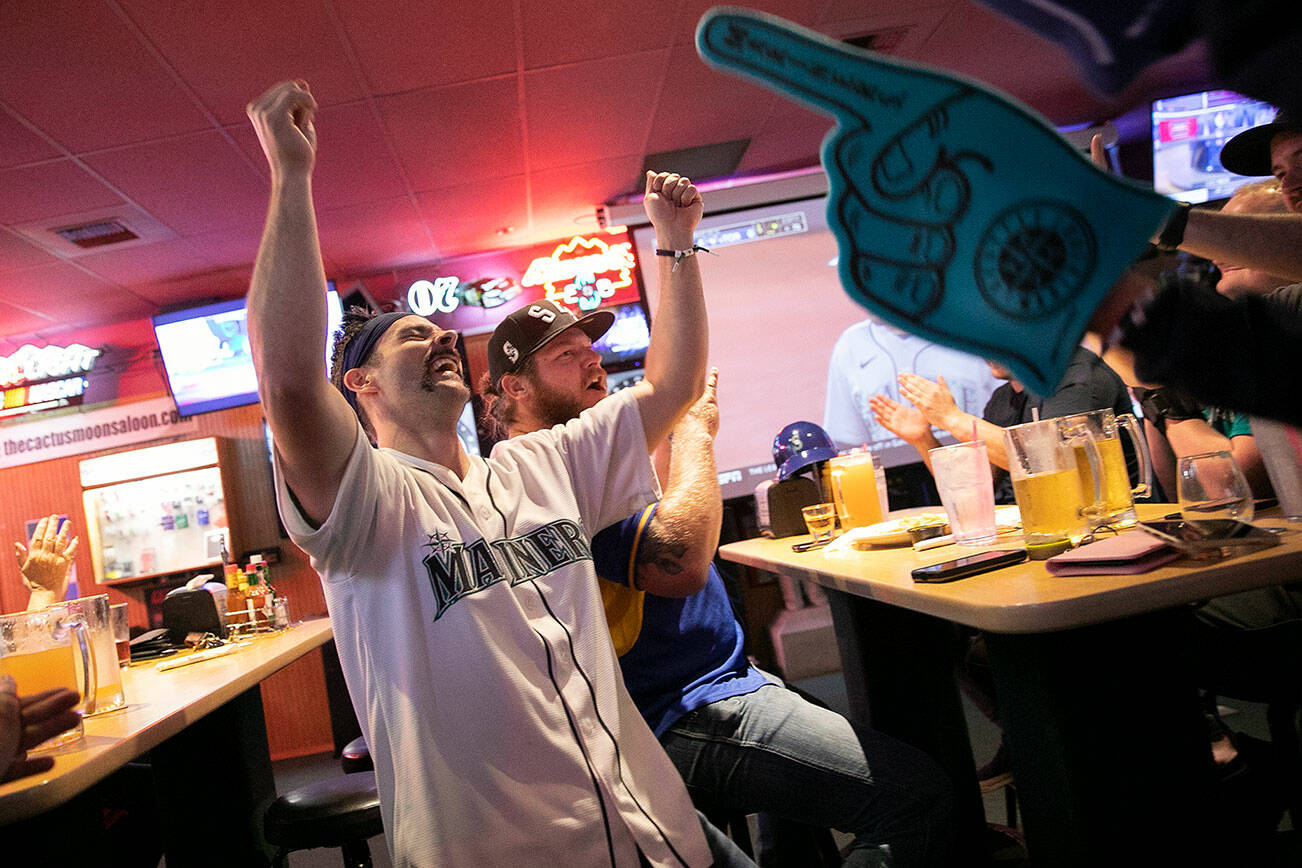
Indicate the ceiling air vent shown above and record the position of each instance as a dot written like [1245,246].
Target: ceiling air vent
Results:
[97,234]
[884,41]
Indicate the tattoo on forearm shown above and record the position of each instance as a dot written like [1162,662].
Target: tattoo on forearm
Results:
[664,554]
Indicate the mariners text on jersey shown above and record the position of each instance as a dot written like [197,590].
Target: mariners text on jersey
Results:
[458,570]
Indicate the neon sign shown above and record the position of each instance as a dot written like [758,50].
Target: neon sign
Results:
[42,378]
[32,364]
[582,272]
[437,296]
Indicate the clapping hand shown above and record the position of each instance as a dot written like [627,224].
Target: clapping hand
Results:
[905,422]
[933,399]
[961,216]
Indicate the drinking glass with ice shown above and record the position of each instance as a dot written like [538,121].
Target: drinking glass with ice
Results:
[966,489]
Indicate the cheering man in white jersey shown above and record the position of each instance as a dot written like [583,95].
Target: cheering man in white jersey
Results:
[462,591]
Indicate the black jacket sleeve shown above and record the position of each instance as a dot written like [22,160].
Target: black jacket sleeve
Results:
[1239,354]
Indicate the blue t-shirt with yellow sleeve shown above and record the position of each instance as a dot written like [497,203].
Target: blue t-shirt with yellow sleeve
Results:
[676,653]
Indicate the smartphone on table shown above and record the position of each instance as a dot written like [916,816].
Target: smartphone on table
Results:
[969,566]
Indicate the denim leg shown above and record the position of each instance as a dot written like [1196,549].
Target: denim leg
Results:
[772,751]
[726,853]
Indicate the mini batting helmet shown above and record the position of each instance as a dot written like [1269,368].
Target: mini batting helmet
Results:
[799,445]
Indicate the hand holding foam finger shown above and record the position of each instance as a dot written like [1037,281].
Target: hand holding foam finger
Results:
[960,215]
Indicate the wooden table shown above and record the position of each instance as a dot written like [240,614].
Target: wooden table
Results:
[204,729]
[1097,698]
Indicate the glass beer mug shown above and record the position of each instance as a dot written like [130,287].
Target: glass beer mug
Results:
[1047,484]
[853,481]
[45,649]
[1118,495]
[94,611]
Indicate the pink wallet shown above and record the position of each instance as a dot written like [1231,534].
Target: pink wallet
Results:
[1121,555]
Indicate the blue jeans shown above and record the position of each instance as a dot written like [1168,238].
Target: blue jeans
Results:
[725,853]
[773,752]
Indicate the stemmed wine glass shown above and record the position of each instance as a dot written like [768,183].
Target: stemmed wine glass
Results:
[1211,485]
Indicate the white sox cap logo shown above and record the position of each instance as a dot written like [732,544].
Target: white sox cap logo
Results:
[542,313]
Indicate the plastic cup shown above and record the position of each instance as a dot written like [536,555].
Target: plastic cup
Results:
[962,473]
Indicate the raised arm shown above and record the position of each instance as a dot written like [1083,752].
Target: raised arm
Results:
[311,423]
[675,361]
[1267,242]
[674,554]
[46,562]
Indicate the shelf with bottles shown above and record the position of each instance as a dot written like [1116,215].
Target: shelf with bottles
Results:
[163,510]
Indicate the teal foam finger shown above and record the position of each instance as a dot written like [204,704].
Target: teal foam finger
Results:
[960,214]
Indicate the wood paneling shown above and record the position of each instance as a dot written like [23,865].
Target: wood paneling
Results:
[294,701]
[54,486]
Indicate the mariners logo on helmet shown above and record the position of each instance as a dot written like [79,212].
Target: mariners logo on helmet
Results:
[799,445]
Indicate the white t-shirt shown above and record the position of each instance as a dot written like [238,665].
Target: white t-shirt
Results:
[475,648]
[867,359]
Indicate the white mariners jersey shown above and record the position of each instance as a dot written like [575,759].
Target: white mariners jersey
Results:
[475,647]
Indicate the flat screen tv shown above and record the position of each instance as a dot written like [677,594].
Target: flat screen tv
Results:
[791,345]
[1189,132]
[628,337]
[205,352]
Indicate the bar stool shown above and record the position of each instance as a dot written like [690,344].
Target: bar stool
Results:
[340,812]
[356,757]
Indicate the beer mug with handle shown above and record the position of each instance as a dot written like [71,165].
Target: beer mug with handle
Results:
[45,649]
[1105,427]
[94,611]
[1047,484]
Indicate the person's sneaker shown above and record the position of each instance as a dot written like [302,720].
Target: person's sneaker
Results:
[996,774]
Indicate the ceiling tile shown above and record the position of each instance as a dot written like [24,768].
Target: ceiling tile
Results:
[192,183]
[558,33]
[842,10]
[230,52]
[791,137]
[77,72]
[16,253]
[142,264]
[735,109]
[465,219]
[50,190]
[375,235]
[800,11]
[197,288]
[568,198]
[456,135]
[1031,68]
[20,145]
[409,44]
[593,110]
[353,162]
[16,321]
[228,248]
[69,296]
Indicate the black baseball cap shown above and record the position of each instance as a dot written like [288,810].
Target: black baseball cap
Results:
[1248,153]
[531,328]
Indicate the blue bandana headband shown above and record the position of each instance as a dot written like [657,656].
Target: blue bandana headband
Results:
[363,343]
